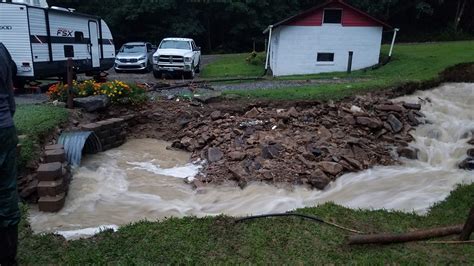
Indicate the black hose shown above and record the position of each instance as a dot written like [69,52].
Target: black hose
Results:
[308,217]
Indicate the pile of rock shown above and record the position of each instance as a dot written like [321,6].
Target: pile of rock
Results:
[310,145]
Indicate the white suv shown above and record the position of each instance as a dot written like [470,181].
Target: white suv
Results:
[177,55]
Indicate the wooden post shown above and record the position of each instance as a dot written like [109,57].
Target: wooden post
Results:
[468,227]
[70,76]
[349,63]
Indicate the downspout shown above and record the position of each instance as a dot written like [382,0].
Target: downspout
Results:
[267,62]
[395,31]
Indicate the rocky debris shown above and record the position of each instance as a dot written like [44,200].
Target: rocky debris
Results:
[302,144]
[92,103]
[409,153]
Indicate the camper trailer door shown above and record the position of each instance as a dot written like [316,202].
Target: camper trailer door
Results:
[94,45]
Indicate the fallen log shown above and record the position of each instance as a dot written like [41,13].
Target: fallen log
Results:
[405,237]
[468,227]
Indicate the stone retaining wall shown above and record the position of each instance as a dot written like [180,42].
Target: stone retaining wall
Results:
[112,132]
[54,177]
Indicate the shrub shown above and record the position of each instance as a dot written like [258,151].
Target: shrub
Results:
[256,59]
[118,91]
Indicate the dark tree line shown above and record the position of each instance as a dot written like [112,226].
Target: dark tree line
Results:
[232,26]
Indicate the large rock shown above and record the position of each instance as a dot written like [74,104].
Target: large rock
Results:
[412,106]
[467,164]
[390,108]
[470,153]
[92,103]
[214,155]
[319,179]
[369,122]
[409,153]
[216,115]
[271,151]
[395,124]
[237,156]
[331,168]
[412,120]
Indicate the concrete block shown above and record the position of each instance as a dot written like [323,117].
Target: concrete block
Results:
[54,147]
[52,156]
[52,204]
[50,171]
[51,188]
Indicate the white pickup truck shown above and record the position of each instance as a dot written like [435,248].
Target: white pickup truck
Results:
[177,55]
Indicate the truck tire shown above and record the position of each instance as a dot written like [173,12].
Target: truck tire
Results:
[191,74]
[157,74]
[198,68]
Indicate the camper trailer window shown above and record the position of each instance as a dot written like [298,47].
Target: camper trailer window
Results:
[79,36]
[325,57]
[332,16]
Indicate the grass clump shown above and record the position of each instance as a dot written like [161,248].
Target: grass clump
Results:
[234,65]
[36,122]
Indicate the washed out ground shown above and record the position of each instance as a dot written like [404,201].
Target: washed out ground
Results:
[274,240]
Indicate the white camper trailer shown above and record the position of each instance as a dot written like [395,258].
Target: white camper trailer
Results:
[41,38]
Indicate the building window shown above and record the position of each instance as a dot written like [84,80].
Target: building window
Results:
[332,16]
[78,37]
[326,57]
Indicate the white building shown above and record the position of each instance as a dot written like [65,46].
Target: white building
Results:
[321,40]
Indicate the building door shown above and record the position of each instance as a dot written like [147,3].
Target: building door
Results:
[94,44]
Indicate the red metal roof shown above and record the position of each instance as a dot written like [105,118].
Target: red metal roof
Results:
[314,16]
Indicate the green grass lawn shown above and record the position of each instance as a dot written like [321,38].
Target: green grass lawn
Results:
[410,63]
[230,66]
[268,241]
[35,122]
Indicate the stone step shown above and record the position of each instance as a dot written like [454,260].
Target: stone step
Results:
[52,156]
[52,204]
[54,147]
[51,188]
[50,171]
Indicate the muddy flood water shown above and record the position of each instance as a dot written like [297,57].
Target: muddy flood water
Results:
[143,180]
